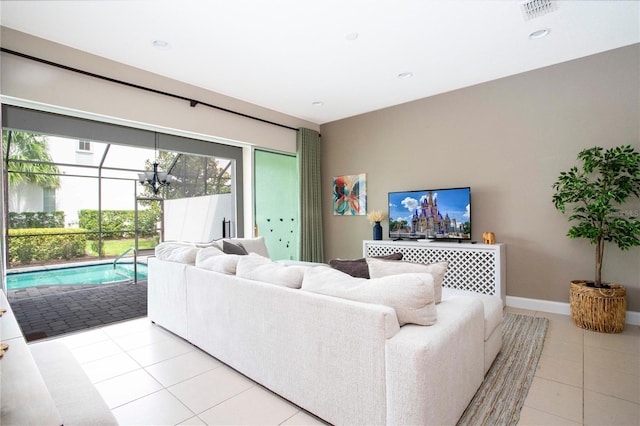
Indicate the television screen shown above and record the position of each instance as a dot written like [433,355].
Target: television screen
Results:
[432,214]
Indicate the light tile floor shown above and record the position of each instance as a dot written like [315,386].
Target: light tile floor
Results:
[584,377]
[148,376]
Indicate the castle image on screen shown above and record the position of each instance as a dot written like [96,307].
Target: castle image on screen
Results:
[431,214]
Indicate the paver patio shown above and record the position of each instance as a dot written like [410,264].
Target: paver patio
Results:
[47,311]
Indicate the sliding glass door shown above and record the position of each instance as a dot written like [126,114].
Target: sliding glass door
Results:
[78,196]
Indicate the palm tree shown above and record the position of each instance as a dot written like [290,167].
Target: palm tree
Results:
[28,159]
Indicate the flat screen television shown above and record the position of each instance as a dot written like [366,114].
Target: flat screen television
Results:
[436,214]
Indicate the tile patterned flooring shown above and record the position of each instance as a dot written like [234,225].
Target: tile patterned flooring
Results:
[583,377]
[148,376]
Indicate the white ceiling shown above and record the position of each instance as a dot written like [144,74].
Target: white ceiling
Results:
[288,54]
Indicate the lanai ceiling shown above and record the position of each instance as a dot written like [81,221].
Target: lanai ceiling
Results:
[331,59]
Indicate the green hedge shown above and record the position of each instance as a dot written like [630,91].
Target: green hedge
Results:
[36,220]
[119,223]
[26,245]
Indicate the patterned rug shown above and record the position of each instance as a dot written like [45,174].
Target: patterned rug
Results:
[502,393]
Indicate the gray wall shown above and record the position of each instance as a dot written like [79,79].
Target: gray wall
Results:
[508,139]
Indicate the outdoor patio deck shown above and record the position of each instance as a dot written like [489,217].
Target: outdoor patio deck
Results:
[48,311]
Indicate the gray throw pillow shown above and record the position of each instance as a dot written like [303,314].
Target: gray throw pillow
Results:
[359,268]
[230,248]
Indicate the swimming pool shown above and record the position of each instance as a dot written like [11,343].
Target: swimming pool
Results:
[75,275]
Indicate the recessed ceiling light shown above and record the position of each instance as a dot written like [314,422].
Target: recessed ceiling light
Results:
[317,103]
[539,33]
[160,44]
[352,36]
[405,75]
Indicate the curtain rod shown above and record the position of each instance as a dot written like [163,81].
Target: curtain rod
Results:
[192,102]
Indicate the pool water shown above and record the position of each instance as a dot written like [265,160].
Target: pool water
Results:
[90,274]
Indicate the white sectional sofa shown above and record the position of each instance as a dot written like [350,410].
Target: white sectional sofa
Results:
[346,361]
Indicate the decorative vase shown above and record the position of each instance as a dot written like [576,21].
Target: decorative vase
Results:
[377,231]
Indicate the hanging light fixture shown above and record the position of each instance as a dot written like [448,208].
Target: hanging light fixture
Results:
[155,179]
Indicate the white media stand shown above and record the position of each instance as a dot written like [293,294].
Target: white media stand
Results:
[474,267]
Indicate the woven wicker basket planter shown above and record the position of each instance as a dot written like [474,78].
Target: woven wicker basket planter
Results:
[598,309]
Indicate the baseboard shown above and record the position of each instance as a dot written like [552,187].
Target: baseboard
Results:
[633,317]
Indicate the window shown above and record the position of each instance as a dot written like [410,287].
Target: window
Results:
[48,200]
[84,145]
[94,170]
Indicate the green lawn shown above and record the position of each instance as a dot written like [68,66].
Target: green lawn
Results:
[116,247]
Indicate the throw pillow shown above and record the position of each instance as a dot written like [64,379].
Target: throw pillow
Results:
[260,268]
[252,245]
[204,258]
[226,263]
[358,267]
[177,252]
[410,295]
[231,248]
[355,267]
[382,268]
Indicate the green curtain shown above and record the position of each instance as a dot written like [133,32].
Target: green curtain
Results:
[308,150]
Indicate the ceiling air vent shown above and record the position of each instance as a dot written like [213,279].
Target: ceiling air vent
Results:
[535,8]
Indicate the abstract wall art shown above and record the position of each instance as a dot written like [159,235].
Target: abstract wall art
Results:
[350,195]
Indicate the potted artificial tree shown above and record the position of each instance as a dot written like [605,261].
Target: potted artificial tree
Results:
[595,193]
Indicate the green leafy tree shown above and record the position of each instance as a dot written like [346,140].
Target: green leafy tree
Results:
[595,192]
[29,159]
[194,175]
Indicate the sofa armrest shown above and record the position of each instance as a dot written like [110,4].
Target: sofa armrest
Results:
[167,295]
[433,371]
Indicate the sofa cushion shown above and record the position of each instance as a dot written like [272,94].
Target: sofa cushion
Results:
[260,268]
[358,267]
[214,259]
[234,248]
[381,268]
[411,295]
[493,309]
[177,252]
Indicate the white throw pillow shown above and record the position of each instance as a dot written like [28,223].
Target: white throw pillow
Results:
[204,258]
[177,252]
[214,259]
[411,295]
[260,268]
[382,268]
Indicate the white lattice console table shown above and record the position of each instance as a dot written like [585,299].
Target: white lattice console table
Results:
[475,267]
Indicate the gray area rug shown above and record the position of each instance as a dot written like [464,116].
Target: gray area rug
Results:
[501,396]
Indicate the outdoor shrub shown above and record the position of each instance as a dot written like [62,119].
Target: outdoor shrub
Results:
[25,220]
[147,220]
[119,223]
[27,245]
[24,253]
